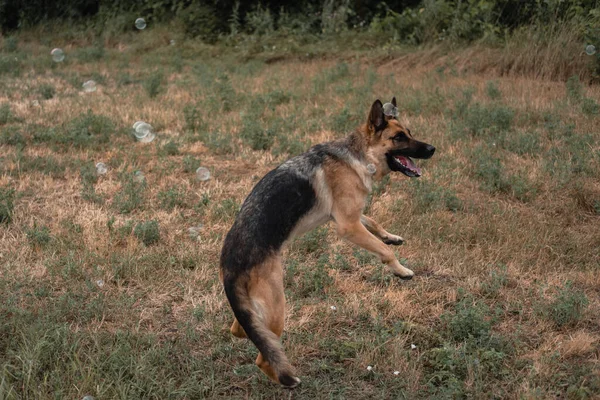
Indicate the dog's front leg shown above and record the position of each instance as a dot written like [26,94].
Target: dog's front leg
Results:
[355,232]
[381,233]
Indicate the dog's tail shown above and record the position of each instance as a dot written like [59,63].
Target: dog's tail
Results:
[266,341]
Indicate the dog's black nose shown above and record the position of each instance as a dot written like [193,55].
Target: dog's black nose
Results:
[430,150]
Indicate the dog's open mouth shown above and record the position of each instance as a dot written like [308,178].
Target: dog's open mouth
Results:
[405,165]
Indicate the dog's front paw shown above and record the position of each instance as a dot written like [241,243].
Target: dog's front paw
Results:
[401,271]
[393,239]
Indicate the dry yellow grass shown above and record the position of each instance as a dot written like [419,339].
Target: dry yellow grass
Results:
[542,243]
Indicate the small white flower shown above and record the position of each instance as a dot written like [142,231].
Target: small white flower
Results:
[413,346]
[369,368]
[396,372]
[333,308]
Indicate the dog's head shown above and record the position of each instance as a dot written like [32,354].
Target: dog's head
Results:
[391,144]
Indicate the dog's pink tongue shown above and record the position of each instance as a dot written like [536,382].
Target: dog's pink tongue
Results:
[408,163]
[413,166]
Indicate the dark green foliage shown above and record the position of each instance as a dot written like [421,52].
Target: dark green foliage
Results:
[86,130]
[490,170]
[574,89]
[480,120]
[11,135]
[47,91]
[9,64]
[147,232]
[5,114]
[309,281]
[7,205]
[170,148]
[428,195]
[568,306]
[47,165]
[495,282]
[313,241]
[523,143]
[257,136]
[470,320]
[226,210]
[492,90]
[131,195]
[89,54]
[192,117]
[89,178]
[190,164]
[172,197]
[153,83]
[225,92]
[590,107]
[39,235]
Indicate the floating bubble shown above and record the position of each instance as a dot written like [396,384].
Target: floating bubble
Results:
[369,368]
[139,176]
[89,86]
[333,308]
[148,138]
[100,283]
[140,23]
[390,110]
[57,55]
[202,174]
[143,132]
[172,42]
[101,168]
[194,231]
[590,49]
[88,397]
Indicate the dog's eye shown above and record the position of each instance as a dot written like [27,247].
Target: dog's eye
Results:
[401,137]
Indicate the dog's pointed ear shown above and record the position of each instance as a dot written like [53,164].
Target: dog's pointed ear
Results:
[377,120]
[394,101]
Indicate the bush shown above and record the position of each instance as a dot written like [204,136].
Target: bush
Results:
[568,306]
[131,195]
[5,114]
[172,197]
[153,83]
[7,197]
[38,236]
[147,232]
[47,91]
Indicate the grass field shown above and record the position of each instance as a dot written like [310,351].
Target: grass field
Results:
[105,291]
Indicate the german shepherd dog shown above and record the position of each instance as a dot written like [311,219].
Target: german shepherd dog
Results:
[330,181]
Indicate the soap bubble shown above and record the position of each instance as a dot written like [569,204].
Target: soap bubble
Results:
[88,397]
[202,174]
[369,368]
[139,176]
[333,308]
[194,231]
[89,86]
[590,49]
[101,168]
[390,110]
[57,55]
[100,283]
[172,42]
[143,132]
[140,23]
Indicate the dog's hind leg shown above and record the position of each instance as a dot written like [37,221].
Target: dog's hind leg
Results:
[268,301]
[237,330]
[377,230]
